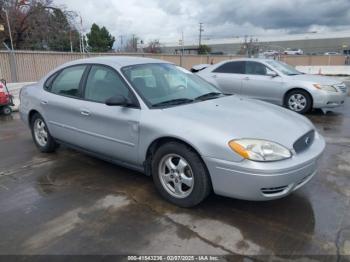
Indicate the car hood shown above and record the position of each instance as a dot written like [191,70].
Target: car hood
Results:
[316,79]
[235,117]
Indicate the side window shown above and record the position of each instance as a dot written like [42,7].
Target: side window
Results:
[103,83]
[67,82]
[231,67]
[255,68]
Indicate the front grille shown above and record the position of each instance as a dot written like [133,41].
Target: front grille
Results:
[342,88]
[273,190]
[304,142]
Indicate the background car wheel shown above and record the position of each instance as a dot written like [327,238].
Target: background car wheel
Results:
[7,110]
[41,136]
[180,175]
[299,101]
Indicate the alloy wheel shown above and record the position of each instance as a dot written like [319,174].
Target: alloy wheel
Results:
[176,176]
[297,102]
[40,132]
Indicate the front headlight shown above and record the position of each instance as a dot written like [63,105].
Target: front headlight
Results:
[259,150]
[328,88]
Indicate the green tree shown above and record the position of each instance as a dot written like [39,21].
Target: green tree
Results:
[204,49]
[99,39]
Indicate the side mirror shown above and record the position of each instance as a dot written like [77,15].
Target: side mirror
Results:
[118,100]
[272,74]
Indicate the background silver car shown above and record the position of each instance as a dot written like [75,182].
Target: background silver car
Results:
[276,82]
[162,120]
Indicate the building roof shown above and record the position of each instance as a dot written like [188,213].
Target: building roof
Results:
[271,38]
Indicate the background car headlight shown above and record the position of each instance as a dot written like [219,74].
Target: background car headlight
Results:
[259,150]
[326,87]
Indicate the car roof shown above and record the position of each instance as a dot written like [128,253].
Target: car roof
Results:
[115,61]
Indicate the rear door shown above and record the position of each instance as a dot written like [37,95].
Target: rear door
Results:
[229,77]
[258,83]
[109,130]
[62,103]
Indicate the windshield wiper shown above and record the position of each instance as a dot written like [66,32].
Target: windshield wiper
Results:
[173,102]
[211,95]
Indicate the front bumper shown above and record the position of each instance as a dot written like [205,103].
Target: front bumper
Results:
[329,99]
[258,181]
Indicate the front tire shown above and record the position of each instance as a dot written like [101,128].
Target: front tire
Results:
[299,101]
[7,110]
[41,135]
[180,175]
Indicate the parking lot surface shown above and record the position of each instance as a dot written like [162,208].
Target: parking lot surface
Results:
[71,203]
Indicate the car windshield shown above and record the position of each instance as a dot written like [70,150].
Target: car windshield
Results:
[162,85]
[283,68]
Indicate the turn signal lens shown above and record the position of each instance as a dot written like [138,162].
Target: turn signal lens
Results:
[328,88]
[239,149]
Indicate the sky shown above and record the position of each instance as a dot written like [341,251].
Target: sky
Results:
[166,19]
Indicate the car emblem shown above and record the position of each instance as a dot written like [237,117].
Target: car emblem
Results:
[307,140]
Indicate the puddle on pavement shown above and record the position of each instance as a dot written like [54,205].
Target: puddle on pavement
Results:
[68,221]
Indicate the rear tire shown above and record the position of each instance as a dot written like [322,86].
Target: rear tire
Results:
[41,135]
[180,175]
[299,101]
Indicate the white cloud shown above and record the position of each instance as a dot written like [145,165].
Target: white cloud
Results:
[165,19]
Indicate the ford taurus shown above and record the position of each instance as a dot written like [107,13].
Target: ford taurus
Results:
[162,120]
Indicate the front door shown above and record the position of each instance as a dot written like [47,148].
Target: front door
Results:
[260,83]
[109,130]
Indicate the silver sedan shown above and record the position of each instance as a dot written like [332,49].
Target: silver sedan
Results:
[275,82]
[166,122]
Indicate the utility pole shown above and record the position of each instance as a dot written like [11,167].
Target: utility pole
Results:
[121,43]
[70,40]
[200,34]
[133,43]
[9,27]
[182,41]
[82,35]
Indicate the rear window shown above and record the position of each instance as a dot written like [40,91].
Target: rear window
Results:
[68,81]
[231,68]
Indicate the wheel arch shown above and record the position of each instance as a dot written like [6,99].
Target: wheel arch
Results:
[31,114]
[296,89]
[156,143]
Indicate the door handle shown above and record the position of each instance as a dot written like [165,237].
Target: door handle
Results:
[43,102]
[85,112]
[246,78]
[215,76]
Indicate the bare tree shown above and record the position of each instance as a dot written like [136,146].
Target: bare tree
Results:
[153,47]
[38,24]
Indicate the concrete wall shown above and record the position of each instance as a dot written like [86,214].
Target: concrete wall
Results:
[325,70]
